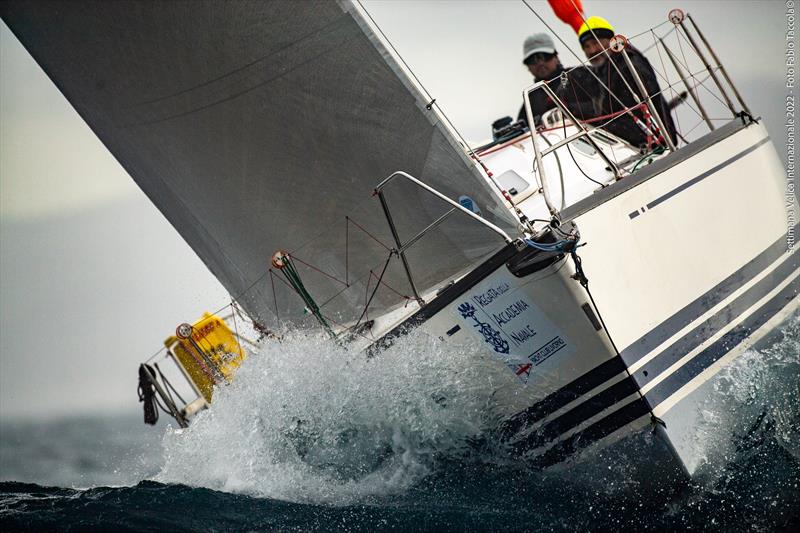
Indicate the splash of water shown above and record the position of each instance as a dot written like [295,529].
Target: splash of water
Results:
[309,421]
[754,399]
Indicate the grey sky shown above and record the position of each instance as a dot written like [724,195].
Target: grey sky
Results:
[92,277]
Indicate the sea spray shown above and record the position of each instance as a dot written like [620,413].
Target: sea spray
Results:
[758,487]
[307,420]
[755,399]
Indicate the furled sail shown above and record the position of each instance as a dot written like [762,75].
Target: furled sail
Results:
[262,125]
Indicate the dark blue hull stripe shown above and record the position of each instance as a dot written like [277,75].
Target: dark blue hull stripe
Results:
[617,392]
[645,344]
[577,415]
[566,394]
[685,316]
[712,325]
[725,344]
[591,434]
[639,407]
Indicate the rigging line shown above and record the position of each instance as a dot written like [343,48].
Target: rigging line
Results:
[247,289]
[294,257]
[672,85]
[584,281]
[699,83]
[218,311]
[673,91]
[651,46]
[686,62]
[614,115]
[347,250]
[563,193]
[244,318]
[696,126]
[235,326]
[366,294]
[328,225]
[374,238]
[321,30]
[274,296]
[665,77]
[355,282]
[326,302]
[400,294]
[369,281]
[377,285]
[651,29]
[691,74]
[430,99]
[346,329]
[163,348]
[638,106]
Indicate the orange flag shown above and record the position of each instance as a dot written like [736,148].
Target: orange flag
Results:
[569,11]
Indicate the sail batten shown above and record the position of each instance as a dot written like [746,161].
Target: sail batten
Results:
[258,126]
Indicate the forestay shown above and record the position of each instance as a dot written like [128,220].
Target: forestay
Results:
[258,126]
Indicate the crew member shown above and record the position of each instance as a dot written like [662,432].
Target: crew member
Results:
[574,87]
[595,36]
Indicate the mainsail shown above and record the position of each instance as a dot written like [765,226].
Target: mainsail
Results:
[262,125]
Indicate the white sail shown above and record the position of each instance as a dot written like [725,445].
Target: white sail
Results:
[258,126]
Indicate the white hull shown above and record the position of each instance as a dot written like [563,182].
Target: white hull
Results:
[687,267]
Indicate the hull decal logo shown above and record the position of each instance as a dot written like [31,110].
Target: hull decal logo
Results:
[490,335]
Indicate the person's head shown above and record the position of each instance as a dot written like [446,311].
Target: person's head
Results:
[595,35]
[540,56]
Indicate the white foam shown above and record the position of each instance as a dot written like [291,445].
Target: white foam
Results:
[306,420]
[758,384]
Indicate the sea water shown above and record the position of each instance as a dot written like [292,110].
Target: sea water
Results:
[312,437]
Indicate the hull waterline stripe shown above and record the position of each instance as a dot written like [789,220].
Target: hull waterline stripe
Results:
[725,344]
[712,325]
[689,313]
[649,341]
[556,400]
[577,415]
[619,391]
[597,431]
[641,406]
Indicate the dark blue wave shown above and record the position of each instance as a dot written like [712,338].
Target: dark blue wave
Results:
[760,490]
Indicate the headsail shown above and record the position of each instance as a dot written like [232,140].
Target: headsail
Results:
[256,126]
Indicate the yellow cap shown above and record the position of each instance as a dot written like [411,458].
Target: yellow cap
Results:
[593,24]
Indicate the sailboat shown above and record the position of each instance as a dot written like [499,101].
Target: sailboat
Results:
[304,163]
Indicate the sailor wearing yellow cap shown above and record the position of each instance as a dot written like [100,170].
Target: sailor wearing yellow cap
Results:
[595,37]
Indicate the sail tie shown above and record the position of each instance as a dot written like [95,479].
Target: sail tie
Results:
[283,262]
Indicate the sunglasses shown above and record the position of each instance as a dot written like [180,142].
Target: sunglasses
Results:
[539,57]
